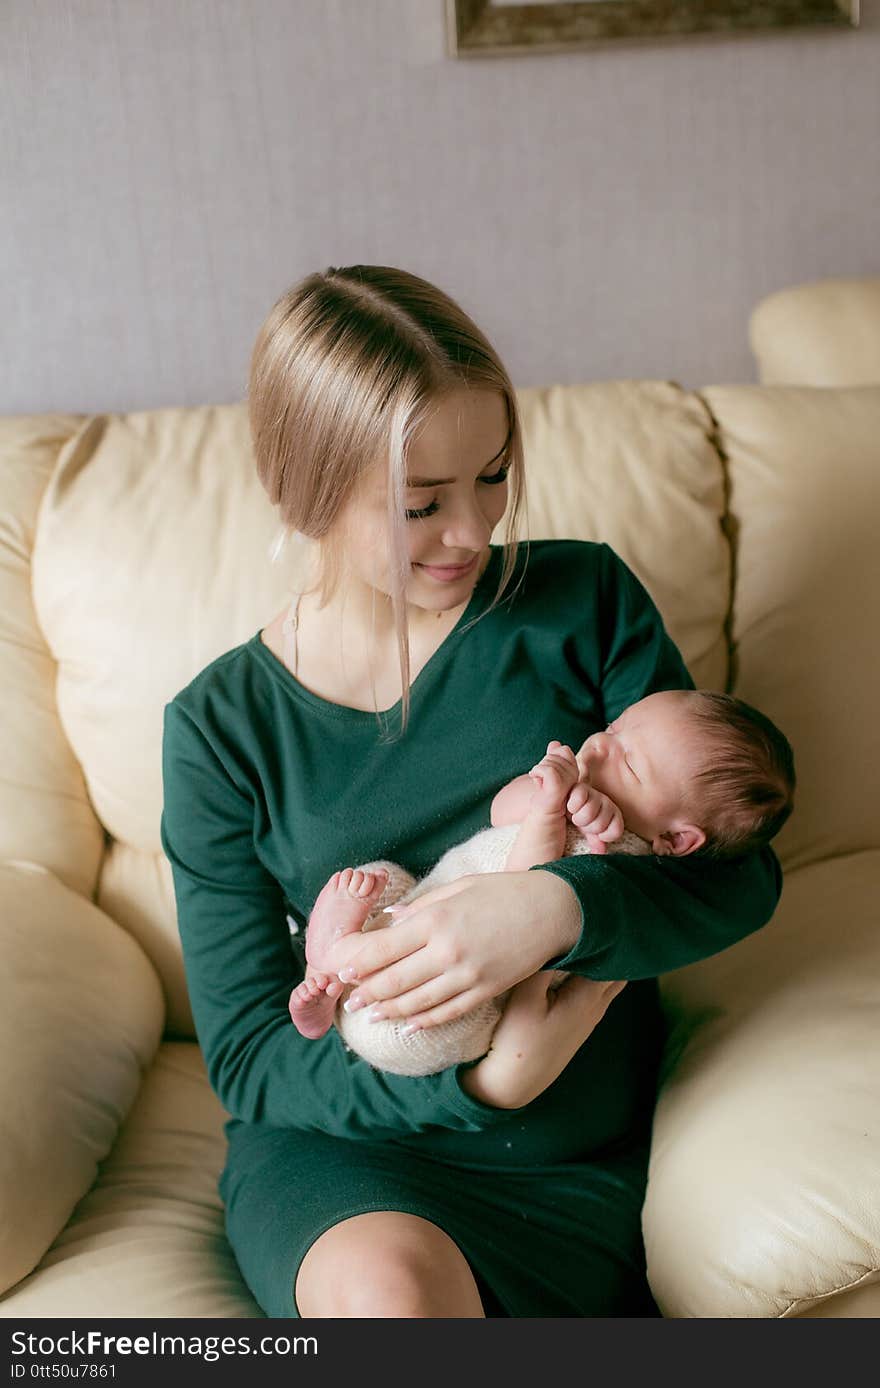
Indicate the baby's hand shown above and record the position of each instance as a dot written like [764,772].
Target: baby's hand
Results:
[598,818]
[554,777]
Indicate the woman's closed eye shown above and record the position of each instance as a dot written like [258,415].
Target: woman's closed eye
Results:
[494,480]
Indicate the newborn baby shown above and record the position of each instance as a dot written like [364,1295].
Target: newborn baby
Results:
[679,772]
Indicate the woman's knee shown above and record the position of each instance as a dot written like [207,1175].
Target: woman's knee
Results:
[386,1264]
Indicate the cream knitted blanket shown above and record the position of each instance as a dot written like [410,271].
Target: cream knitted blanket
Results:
[468,1037]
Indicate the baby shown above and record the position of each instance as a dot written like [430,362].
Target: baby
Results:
[679,772]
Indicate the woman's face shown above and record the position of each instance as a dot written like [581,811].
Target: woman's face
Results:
[455,497]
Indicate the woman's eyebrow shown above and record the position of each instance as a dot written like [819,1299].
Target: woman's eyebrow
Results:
[442,481]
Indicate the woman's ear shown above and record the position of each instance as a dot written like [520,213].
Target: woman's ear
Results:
[677,843]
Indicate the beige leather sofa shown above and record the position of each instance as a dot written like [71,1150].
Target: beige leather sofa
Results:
[134,549]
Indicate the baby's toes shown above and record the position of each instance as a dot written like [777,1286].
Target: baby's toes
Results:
[372,878]
[375,880]
[355,880]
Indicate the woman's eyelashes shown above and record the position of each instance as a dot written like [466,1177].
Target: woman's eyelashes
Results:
[499,476]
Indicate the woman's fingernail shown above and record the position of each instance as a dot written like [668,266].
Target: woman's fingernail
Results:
[389,910]
[410,1028]
[354,1002]
[347,974]
[376,1014]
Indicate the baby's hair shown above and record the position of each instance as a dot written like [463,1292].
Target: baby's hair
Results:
[348,366]
[746,794]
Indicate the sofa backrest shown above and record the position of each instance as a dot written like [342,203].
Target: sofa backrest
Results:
[804,471]
[138,552]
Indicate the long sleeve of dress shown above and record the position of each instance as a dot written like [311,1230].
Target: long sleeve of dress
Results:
[643,916]
[240,970]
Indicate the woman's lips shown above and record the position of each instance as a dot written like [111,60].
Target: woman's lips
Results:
[446,573]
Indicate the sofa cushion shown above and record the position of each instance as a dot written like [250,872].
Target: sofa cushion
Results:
[45,815]
[151,559]
[634,463]
[148,1240]
[804,474]
[762,1188]
[81,1016]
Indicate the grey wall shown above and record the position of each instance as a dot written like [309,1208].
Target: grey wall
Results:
[169,167]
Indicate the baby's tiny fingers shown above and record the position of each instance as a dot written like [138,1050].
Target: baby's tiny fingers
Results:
[588,814]
[614,830]
[578,798]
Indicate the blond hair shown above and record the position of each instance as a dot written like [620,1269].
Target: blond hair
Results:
[346,368]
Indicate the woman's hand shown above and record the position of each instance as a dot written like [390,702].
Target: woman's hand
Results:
[463,943]
[541,1028]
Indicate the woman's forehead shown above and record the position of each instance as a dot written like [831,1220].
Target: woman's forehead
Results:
[459,431]
[460,421]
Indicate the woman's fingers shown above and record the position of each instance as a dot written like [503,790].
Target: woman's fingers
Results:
[391,987]
[381,948]
[448,1011]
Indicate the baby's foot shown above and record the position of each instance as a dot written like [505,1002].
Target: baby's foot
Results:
[313,1003]
[554,777]
[340,909]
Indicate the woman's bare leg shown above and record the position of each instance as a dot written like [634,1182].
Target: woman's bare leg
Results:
[386,1264]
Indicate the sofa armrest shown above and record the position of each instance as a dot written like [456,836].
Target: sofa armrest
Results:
[81,1017]
[762,1187]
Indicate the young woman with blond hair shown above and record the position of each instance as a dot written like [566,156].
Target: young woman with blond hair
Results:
[419,669]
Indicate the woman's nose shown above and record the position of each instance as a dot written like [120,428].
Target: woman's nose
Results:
[467,529]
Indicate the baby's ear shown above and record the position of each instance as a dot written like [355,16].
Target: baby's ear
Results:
[679,842]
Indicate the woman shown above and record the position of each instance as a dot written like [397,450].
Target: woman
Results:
[386,430]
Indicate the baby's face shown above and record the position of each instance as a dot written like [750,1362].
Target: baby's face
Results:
[645,762]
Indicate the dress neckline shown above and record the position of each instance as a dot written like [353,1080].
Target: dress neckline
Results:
[280,671]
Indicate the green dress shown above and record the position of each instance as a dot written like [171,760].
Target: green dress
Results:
[269,789]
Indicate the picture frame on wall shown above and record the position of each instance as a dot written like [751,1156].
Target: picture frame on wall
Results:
[494,28]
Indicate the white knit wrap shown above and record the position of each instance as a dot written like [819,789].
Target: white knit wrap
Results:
[468,1037]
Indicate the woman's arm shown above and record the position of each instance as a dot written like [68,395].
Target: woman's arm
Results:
[644,916]
[240,969]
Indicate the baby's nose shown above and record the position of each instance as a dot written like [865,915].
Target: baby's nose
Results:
[593,751]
